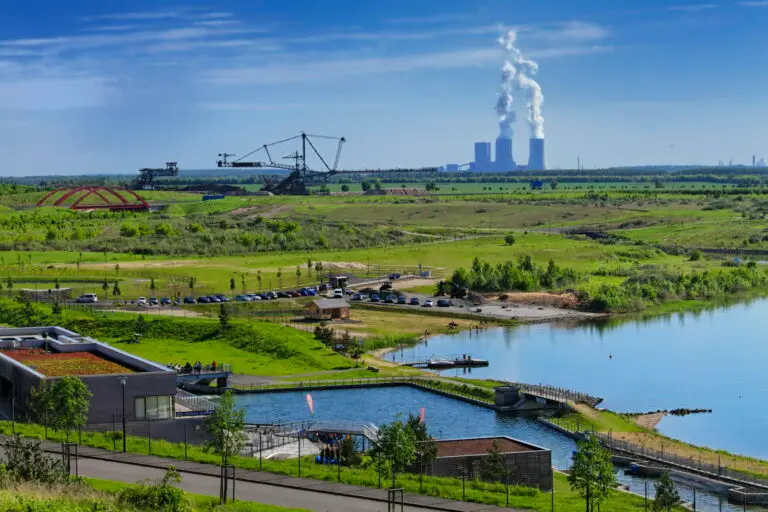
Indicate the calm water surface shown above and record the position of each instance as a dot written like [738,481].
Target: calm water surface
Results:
[712,360]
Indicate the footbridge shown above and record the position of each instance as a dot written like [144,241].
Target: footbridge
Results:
[319,427]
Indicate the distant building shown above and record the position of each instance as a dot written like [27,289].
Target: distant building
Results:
[482,157]
[504,160]
[328,309]
[452,167]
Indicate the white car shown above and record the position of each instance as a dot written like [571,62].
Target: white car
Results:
[141,301]
[87,297]
[428,303]
[338,293]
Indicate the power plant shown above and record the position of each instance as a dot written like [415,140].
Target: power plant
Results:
[516,75]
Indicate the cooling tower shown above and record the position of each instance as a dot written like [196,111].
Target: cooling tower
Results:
[504,160]
[536,159]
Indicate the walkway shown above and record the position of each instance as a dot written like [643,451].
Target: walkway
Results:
[258,486]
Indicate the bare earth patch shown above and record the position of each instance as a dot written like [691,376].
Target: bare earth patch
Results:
[415,283]
[137,264]
[649,421]
[558,300]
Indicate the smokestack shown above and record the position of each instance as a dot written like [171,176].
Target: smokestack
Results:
[536,158]
[504,160]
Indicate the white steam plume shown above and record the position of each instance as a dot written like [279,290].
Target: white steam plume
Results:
[517,74]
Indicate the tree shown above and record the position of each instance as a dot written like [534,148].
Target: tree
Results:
[223,316]
[324,334]
[141,326]
[105,285]
[509,239]
[553,184]
[280,277]
[493,467]
[298,275]
[348,452]
[226,427]
[426,448]
[242,282]
[117,269]
[592,472]
[65,402]
[345,188]
[56,309]
[232,284]
[9,284]
[309,267]
[116,290]
[258,278]
[377,184]
[430,186]
[365,185]
[57,284]
[696,255]
[667,496]
[394,450]
[152,285]
[192,281]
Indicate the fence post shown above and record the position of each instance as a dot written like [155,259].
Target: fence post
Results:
[149,433]
[185,441]
[114,433]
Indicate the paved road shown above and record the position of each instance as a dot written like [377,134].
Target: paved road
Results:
[247,491]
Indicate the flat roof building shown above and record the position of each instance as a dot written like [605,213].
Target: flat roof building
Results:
[30,356]
[525,463]
[328,309]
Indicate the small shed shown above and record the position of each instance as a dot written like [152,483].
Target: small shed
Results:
[328,309]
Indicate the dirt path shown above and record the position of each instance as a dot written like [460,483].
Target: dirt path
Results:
[650,421]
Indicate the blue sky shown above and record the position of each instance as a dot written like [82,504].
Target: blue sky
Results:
[112,86]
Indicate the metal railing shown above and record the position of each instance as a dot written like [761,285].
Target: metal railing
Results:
[193,402]
[435,384]
[717,471]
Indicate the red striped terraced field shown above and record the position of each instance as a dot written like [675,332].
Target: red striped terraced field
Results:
[56,364]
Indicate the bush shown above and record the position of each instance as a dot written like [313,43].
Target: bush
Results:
[25,461]
[509,239]
[696,255]
[160,496]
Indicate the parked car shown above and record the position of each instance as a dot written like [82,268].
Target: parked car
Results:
[203,300]
[254,297]
[165,301]
[242,298]
[189,300]
[177,301]
[394,275]
[444,303]
[283,295]
[390,299]
[401,299]
[414,301]
[141,301]
[428,303]
[85,298]
[338,293]
[357,296]
[223,298]
[153,301]
[213,298]
[375,297]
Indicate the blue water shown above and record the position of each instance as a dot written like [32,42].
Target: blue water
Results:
[712,360]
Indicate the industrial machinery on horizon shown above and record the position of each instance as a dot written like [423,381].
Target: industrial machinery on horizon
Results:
[301,176]
[146,179]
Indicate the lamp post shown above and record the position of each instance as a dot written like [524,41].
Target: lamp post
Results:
[122,383]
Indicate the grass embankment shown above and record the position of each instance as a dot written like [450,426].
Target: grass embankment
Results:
[624,427]
[92,495]
[449,488]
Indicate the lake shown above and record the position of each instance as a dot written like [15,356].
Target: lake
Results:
[710,360]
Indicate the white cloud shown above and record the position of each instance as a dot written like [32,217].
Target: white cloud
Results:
[337,68]
[140,15]
[425,20]
[754,3]
[244,106]
[691,8]
[54,93]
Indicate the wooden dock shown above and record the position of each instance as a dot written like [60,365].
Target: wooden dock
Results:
[446,363]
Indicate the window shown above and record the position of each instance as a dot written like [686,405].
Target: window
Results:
[154,407]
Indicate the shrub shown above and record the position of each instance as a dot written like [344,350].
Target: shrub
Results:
[25,461]
[696,255]
[509,239]
[161,495]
